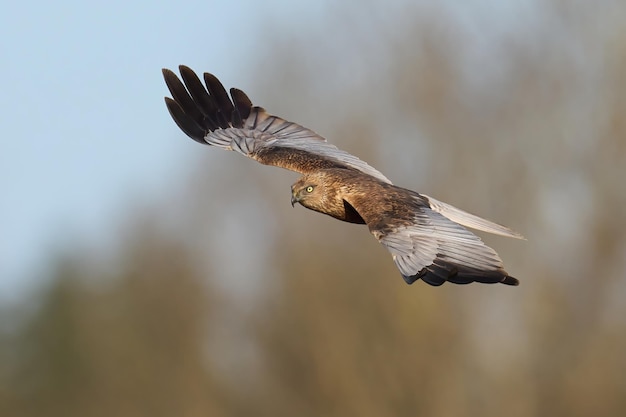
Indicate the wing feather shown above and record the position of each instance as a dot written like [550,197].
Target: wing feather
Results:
[209,116]
[469,220]
[186,123]
[435,249]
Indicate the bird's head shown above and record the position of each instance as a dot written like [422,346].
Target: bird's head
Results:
[309,191]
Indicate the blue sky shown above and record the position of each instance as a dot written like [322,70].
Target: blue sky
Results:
[84,131]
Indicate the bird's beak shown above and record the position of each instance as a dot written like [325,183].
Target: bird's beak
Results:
[294,200]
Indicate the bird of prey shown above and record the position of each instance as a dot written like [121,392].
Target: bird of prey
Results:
[425,237]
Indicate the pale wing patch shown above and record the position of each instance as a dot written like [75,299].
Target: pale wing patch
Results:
[264,136]
[469,220]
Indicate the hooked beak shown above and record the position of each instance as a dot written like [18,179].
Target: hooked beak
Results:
[294,200]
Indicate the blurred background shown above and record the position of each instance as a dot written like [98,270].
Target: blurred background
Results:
[144,274]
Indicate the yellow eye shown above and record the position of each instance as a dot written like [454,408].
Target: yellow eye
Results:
[309,189]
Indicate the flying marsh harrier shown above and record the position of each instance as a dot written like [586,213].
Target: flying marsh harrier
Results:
[425,236]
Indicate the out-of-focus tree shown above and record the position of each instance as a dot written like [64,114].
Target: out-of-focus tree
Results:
[136,346]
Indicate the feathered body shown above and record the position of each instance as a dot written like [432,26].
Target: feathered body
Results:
[423,235]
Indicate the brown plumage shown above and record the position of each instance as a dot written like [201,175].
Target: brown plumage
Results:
[423,235]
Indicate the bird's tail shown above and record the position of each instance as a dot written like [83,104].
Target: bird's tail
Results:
[469,220]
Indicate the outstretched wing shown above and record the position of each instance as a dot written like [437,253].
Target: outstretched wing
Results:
[431,247]
[209,116]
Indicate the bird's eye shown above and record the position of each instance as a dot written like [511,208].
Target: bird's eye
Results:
[309,189]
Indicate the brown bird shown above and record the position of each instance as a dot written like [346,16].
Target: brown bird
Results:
[424,235]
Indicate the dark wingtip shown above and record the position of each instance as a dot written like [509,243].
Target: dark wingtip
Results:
[243,104]
[430,280]
[508,280]
[198,109]
[184,122]
[439,273]
[409,279]
[183,68]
